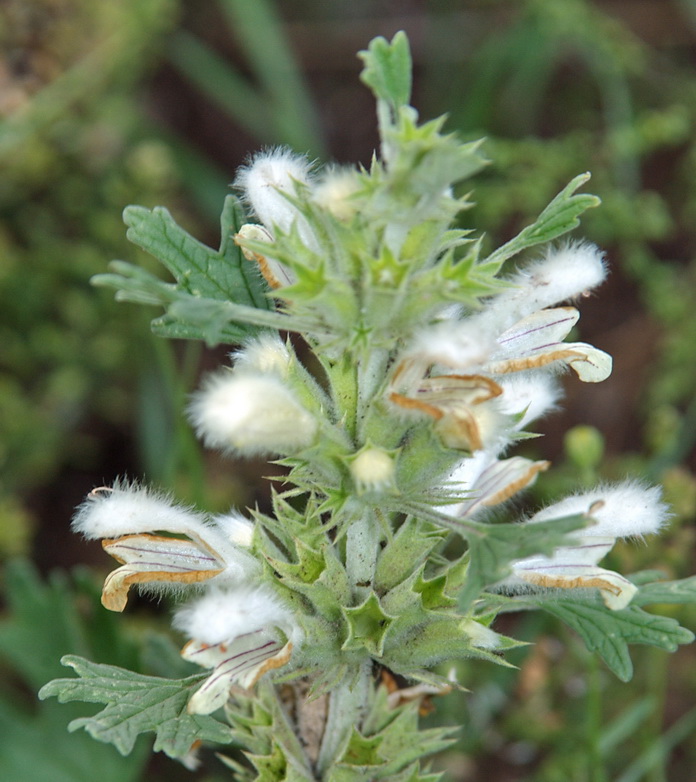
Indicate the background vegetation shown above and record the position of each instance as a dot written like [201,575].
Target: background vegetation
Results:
[158,102]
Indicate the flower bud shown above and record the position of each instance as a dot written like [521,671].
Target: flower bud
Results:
[373,470]
[336,193]
[265,183]
[251,414]
[265,354]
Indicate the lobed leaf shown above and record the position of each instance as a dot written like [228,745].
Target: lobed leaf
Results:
[206,280]
[609,632]
[136,704]
[387,69]
[559,217]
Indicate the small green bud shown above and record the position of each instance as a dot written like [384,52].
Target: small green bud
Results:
[584,446]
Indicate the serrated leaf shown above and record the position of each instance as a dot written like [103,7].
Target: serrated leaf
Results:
[206,279]
[198,269]
[136,704]
[559,217]
[609,632]
[387,70]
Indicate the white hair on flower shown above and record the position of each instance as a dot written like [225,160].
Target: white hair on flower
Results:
[264,181]
[625,510]
[223,614]
[127,508]
[238,529]
[530,396]
[266,353]
[250,413]
[568,271]
[628,509]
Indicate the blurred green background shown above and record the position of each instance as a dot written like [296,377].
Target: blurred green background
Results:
[158,102]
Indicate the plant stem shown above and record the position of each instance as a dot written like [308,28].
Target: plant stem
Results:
[347,706]
[362,548]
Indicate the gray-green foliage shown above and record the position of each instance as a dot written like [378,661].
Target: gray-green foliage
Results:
[359,559]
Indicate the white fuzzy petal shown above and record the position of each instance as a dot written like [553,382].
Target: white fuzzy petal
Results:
[252,414]
[125,509]
[236,528]
[528,395]
[623,510]
[222,615]
[565,272]
[267,354]
[265,182]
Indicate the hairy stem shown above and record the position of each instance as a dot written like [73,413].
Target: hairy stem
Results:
[347,706]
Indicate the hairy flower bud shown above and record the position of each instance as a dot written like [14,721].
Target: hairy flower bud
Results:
[251,414]
[267,180]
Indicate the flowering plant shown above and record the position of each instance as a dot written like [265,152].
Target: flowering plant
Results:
[321,627]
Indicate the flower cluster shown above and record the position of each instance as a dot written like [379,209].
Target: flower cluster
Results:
[412,368]
[239,628]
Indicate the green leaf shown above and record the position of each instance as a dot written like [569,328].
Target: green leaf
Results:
[206,280]
[43,623]
[136,704]
[36,747]
[683,591]
[559,217]
[387,70]
[609,632]
[367,626]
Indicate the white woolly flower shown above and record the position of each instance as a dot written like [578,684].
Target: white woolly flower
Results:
[619,511]
[265,354]
[276,274]
[126,517]
[267,179]
[516,331]
[475,346]
[626,510]
[238,529]
[336,192]
[125,508]
[564,273]
[463,409]
[484,481]
[241,633]
[528,396]
[251,414]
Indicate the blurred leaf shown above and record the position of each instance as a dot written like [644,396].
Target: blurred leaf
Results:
[259,28]
[35,747]
[42,624]
[387,70]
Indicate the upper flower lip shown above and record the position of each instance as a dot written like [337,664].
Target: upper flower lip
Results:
[127,517]
[617,511]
